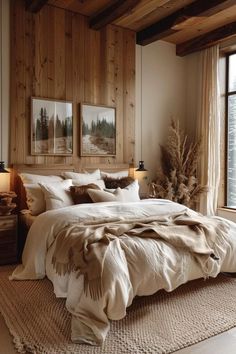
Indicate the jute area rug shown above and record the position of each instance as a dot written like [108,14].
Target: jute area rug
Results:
[161,323]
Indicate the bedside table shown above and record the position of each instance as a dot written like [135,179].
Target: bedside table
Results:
[8,239]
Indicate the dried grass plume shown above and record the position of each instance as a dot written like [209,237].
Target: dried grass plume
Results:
[177,179]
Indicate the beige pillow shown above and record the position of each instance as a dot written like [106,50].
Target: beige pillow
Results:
[35,199]
[128,194]
[118,174]
[81,179]
[57,195]
[33,179]
[34,195]
[98,196]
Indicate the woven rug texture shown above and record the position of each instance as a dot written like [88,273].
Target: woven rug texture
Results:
[157,324]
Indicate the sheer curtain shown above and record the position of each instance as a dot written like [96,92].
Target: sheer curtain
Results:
[209,129]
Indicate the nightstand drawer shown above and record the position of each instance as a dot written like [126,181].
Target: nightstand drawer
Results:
[8,253]
[7,236]
[8,223]
[8,239]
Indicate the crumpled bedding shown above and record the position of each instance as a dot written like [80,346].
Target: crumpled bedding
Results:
[133,266]
[83,247]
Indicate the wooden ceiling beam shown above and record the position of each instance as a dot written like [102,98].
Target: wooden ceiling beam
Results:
[35,5]
[169,24]
[108,15]
[206,40]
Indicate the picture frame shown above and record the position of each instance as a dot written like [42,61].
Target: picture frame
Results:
[97,130]
[51,127]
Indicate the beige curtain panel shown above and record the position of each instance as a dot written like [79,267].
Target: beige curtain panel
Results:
[209,128]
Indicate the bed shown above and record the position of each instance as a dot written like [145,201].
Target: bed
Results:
[99,256]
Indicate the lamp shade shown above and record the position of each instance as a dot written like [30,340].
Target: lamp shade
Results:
[2,167]
[141,167]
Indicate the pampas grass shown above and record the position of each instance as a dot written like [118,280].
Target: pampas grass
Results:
[176,180]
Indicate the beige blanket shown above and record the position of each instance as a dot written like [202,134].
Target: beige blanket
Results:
[84,247]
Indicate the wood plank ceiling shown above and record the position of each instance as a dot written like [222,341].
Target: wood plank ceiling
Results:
[190,24]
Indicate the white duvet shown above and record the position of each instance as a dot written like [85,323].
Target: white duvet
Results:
[135,266]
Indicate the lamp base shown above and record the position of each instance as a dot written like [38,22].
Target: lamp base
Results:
[2,167]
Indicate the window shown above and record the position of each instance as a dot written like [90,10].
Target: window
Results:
[231,131]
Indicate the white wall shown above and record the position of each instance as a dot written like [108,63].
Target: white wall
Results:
[193,83]
[4,78]
[163,96]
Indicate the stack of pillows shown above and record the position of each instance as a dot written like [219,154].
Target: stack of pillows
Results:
[53,192]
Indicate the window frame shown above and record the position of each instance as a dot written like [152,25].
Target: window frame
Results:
[227,95]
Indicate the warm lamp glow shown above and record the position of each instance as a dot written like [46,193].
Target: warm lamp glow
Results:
[4,182]
[142,177]
[131,169]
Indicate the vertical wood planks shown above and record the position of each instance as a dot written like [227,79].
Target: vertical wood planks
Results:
[54,54]
[69,71]
[29,81]
[18,98]
[78,43]
[129,95]
[60,54]
[119,87]
[41,61]
[51,52]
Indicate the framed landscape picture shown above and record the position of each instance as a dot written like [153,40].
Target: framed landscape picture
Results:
[51,127]
[98,130]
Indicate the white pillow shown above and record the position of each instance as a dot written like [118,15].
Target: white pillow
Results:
[33,179]
[118,174]
[35,199]
[133,190]
[34,195]
[57,195]
[82,178]
[128,194]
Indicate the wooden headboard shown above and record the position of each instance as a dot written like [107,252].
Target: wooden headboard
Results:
[17,186]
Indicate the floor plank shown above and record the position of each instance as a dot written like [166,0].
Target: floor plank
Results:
[224,343]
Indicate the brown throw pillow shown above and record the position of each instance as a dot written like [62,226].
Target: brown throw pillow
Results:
[80,195]
[113,183]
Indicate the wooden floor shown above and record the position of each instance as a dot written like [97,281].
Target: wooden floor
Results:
[224,343]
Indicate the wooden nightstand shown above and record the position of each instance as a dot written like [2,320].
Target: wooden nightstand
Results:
[8,239]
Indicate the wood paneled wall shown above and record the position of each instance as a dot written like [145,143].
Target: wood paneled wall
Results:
[54,54]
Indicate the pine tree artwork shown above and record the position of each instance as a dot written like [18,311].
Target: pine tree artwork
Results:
[176,180]
[52,127]
[98,130]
